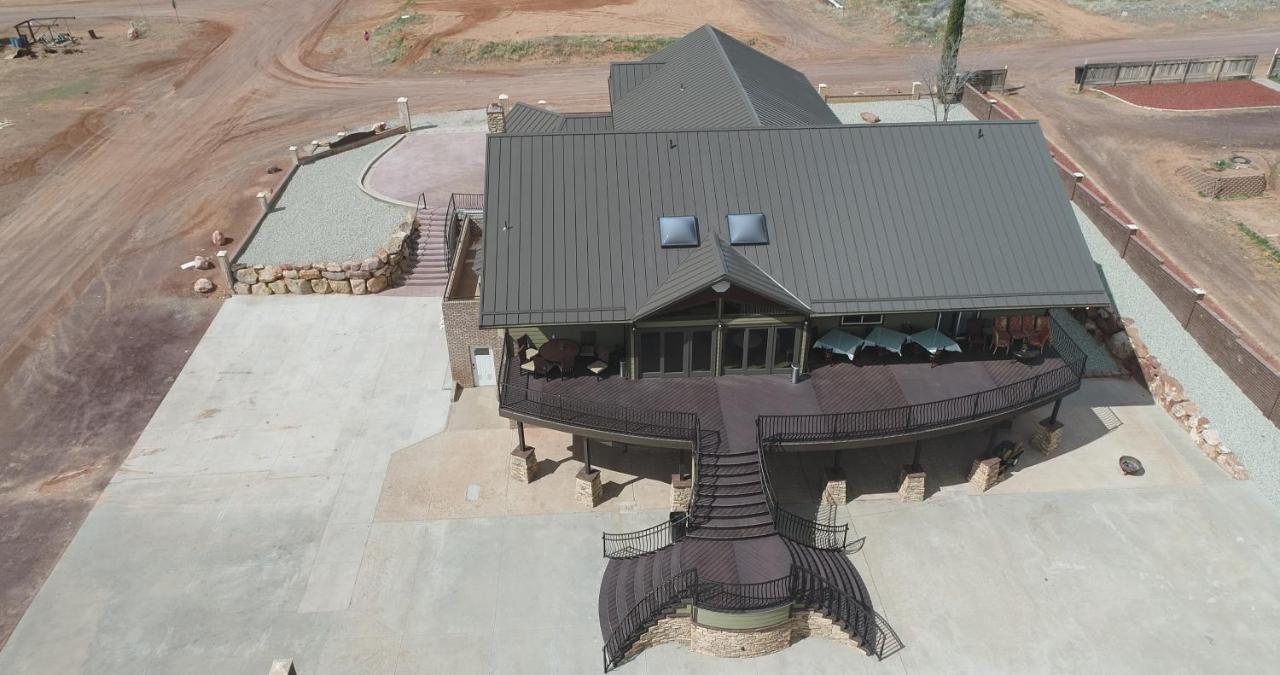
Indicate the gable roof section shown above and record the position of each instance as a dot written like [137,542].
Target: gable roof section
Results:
[529,119]
[712,81]
[709,263]
[865,218]
[623,77]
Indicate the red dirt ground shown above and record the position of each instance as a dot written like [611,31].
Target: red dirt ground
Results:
[1197,95]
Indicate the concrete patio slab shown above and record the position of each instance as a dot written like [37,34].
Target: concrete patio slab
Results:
[210,554]
[435,162]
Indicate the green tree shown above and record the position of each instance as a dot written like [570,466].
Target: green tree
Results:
[946,83]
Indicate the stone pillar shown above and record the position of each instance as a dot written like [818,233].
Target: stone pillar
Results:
[523,464]
[822,90]
[915,90]
[1048,437]
[264,202]
[588,489]
[282,667]
[681,492]
[911,483]
[497,119]
[836,491]
[293,154]
[224,266]
[984,474]
[402,107]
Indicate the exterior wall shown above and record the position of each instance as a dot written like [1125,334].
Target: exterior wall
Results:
[744,620]
[462,332]
[608,336]
[739,644]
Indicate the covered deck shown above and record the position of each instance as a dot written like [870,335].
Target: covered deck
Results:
[838,405]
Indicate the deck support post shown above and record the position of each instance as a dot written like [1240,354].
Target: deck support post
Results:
[915,455]
[520,436]
[523,465]
[586,450]
[991,437]
[1057,406]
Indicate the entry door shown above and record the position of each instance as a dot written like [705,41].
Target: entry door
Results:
[675,353]
[759,350]
[482,368]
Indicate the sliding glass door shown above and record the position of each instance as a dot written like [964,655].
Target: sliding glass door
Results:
[767,349]
[683,352]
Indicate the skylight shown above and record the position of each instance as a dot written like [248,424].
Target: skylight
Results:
[678,231]
[747,228]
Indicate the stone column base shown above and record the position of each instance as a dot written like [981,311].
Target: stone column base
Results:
[588,489]
[523,465]
[836,491]
[984,474]
[1048,437]
[681,492]
[911,484]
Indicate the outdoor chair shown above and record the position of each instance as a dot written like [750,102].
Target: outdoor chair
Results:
[1040,337]
[974,335]
[1009,455]
[1017,327]
[1000,335]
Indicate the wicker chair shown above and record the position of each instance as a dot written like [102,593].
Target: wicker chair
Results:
[1039,336]
[1000,336]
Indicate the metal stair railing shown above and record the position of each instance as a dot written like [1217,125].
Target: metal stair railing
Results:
[792,526]
[858,619]
[624,545]
[674,591]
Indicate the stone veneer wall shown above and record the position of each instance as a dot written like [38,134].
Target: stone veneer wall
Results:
[462,332]
[681,629]
[374,274]
[1229,183]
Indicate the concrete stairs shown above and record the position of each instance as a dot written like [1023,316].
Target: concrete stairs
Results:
[427,266]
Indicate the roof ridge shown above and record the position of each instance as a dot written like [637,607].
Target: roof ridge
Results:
[733,72]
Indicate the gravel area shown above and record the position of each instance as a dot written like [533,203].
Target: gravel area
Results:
[1099,362]
[896,111]
[324,216]
[1243,428]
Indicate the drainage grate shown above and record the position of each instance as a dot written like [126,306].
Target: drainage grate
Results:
[1108,417]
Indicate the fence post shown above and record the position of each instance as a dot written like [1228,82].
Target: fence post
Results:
[1131,231]
[1084,75]
[1078,178]
[224,266]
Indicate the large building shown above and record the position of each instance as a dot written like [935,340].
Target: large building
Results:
[719,264]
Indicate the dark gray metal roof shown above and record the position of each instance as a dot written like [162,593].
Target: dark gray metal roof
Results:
[710,263]
[623,77]
[865,218]
[527,119]
[712,81]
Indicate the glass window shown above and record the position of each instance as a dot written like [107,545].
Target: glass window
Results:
[757,347]
[650,353]
[734,340]
[861,319]
[747,228]
[785,349]
[678,231]
[673,352]
[700,352]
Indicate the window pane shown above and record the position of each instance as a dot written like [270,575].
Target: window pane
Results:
[700,351]
[734,339]
[650,357]
[785,350]
[757,347]
[673,352]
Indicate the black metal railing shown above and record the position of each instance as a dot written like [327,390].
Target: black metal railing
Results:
[597,416]
[642,542]
[677,590]
[811,590]
[793,526]
[458,201]
[726,597]
[903,420]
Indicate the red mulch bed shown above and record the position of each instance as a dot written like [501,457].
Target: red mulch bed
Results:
[1197,95]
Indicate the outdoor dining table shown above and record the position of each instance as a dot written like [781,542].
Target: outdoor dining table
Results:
[560,352]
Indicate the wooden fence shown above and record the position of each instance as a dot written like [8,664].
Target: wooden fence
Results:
[1163,71]
[1274,70]
[1246,364]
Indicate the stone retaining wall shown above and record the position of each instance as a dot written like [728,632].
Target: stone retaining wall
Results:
[1229,183]
[374,274]
[1121,338]
[681,629]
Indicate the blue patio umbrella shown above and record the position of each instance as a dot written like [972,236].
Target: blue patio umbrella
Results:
[886,338]
[840,342]
[934,341]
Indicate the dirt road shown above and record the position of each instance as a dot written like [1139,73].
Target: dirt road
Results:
[98,321]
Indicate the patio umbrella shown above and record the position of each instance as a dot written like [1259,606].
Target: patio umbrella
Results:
[886,338]
[934,341]
[840,342]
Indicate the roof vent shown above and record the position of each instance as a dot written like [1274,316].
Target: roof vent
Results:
[678,231]
[747,228]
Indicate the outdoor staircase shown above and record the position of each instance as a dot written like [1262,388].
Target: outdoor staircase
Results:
[730,500]
[627,581]
[427,266]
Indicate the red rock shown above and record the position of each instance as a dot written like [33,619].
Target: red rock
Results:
[1232,466]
